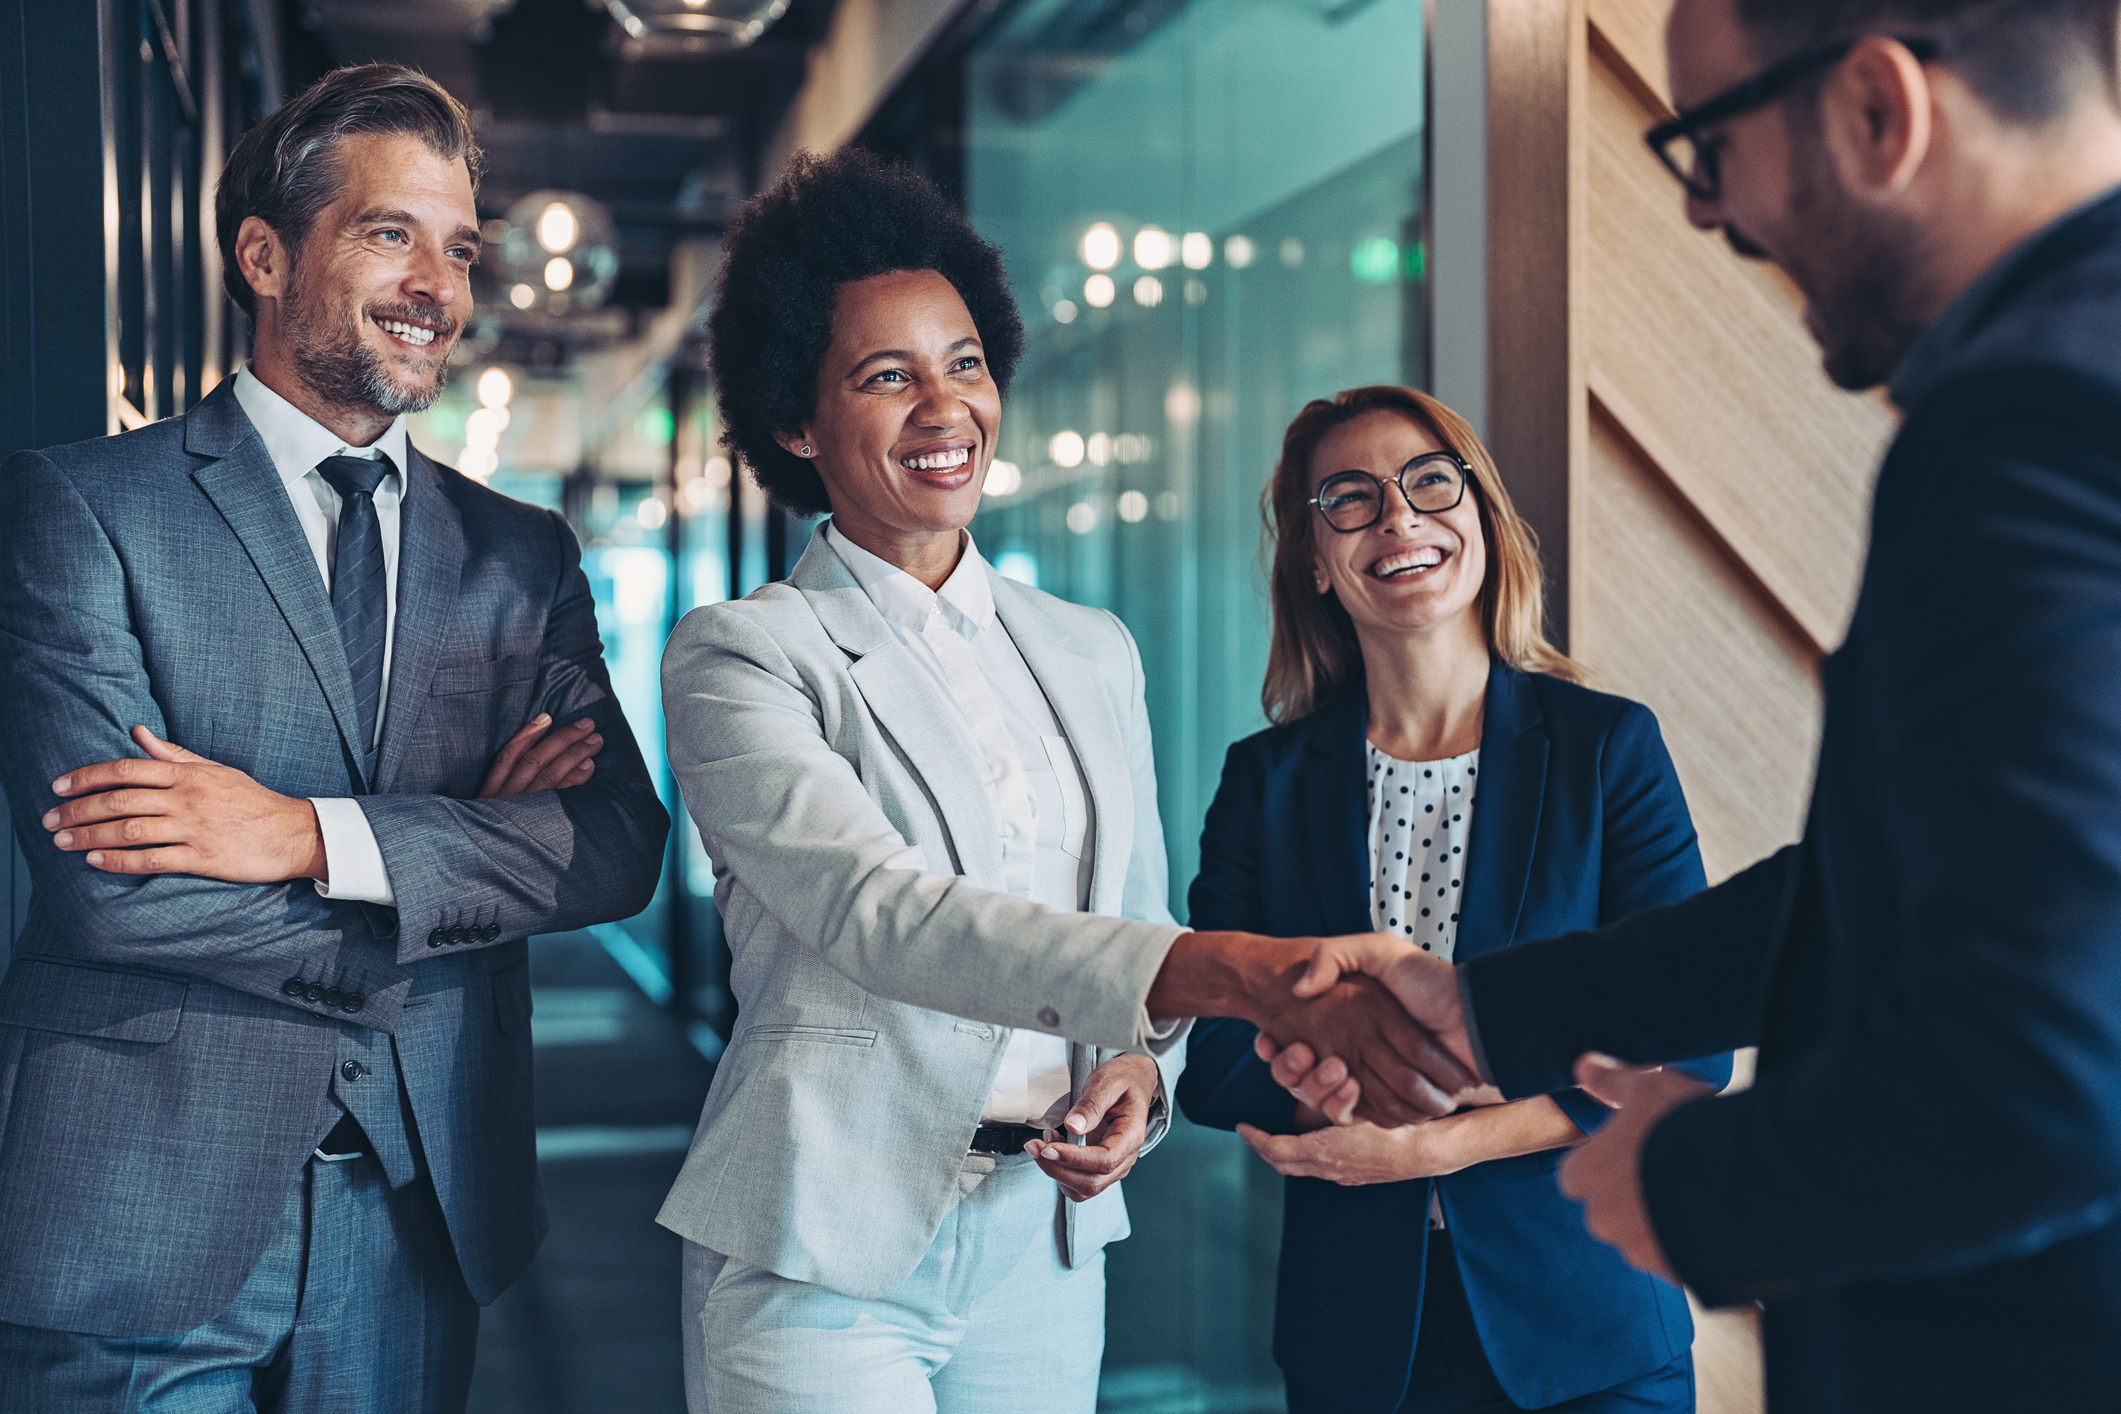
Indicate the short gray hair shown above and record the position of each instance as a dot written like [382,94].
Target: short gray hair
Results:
[283,171]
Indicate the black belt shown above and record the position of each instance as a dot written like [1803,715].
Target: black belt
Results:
[1004,1138]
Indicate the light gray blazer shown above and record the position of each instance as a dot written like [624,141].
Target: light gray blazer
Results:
[877,963]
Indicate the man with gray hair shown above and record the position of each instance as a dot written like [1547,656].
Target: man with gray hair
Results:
[265,1111]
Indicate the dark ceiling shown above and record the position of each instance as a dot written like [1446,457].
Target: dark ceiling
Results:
[669,144]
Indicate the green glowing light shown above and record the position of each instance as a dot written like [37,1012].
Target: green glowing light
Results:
[655,426]
[1375,261]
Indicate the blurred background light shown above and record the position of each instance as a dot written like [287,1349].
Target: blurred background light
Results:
[1148,292]
[1067,448]
[1101,247]
[1239,252]
[495,388]
[1098,291]
[1133,507]
[1003,479]
[1152,248]
[1375,261]
[1196,250]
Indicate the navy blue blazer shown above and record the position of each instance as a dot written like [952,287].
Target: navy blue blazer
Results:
[1922,1186]
[1578,820]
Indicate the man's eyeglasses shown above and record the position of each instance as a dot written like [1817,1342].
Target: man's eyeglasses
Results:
[1355,500]
[1692,154]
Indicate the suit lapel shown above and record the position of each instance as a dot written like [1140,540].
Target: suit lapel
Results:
[1514,745]
[1334,801]
[430,572]
[246,489]
[930,732]
[1074,688]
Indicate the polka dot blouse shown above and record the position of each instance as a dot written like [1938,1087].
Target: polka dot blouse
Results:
[1421,814]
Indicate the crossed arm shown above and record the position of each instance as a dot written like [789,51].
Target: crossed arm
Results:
[78,684]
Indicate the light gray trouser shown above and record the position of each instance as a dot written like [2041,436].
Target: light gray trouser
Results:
[990,1320]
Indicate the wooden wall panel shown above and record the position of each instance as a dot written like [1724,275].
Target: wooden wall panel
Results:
[1535,210]
[1674,623]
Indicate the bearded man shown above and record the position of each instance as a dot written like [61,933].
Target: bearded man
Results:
[1923,1188]
[265,1107]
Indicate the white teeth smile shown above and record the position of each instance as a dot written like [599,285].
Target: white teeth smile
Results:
[937,461]
[410,333]
[1399,565]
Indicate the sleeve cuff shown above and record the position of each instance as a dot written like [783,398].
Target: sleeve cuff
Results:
[1472,1023]
[351,855]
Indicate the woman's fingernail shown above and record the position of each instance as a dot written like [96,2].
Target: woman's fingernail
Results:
[64,838]
[51,818]
[59,787]
[541,719]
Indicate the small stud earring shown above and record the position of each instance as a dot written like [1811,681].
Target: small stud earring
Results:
[806,449]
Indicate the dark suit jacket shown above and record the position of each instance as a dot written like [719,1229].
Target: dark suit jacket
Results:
[1578,819]
[159,1089]
[1922,1185]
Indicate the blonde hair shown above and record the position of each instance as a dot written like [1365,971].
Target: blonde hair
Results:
[1314,656]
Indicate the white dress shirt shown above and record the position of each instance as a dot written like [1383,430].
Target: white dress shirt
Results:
[297,442]
[1421,816]
[1041,801]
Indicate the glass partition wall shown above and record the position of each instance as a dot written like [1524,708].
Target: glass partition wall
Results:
[1212,213]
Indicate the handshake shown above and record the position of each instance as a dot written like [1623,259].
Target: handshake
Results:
[1362,1027]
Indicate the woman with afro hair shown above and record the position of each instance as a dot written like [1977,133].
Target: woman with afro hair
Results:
[928,795]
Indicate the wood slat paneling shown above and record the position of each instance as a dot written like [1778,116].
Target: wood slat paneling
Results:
[1674,624]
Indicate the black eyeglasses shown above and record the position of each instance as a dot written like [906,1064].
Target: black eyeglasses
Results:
[1694,158]
[1355,500]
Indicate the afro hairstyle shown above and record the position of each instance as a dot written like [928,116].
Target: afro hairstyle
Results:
[828,221]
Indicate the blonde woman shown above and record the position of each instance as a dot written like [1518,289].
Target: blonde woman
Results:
[1436,772]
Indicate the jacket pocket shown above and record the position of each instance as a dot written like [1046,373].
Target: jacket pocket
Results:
[827,1035]
[490,675]
[108,1003]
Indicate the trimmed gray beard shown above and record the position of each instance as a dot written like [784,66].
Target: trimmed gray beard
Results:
[341,369]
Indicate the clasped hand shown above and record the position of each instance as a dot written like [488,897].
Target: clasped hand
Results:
[1112,1116]
[175,812]
[1604,1173]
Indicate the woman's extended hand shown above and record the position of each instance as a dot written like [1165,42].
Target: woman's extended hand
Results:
[1355,1153]
[1113,1114]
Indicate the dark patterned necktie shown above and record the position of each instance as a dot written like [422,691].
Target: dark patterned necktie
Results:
[360,596]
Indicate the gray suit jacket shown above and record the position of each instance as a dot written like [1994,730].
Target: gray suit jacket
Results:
[159,1088]
[877,963]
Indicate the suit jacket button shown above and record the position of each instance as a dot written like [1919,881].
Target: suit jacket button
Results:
[292,987]
[1047,1016]
[490,932]
[438,937]
[314,992]
[353,1070]
[352,1002]
[459,936]
[333,996]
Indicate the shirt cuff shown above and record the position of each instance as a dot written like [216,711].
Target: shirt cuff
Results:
[351,856]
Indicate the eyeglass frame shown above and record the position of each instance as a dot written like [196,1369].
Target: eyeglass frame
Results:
[1399,479]
[1771,83]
